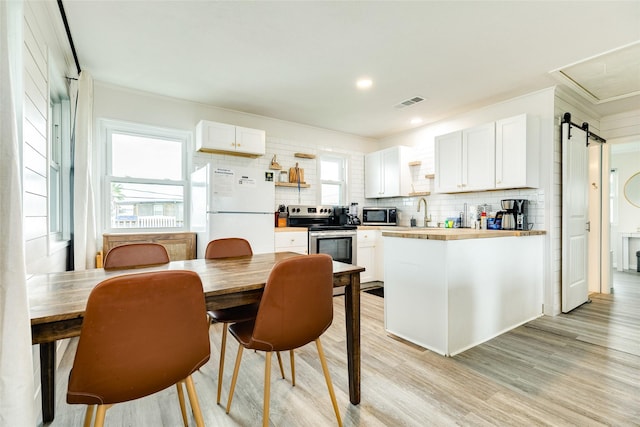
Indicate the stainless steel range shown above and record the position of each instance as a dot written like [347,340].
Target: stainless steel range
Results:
[326,234]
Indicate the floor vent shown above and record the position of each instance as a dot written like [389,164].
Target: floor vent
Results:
[409,102]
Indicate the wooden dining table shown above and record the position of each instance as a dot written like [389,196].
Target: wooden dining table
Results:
[57,303]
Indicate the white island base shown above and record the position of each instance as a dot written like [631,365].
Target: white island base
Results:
[450,295]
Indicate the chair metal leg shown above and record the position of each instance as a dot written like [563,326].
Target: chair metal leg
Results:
[267,389]
[293,368]
[183,407]
[235,376]
[280,364]
[193,398]
[327,378]
[88,415]
[100,414]
[221,364]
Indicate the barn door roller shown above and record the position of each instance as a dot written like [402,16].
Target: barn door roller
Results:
[585,127]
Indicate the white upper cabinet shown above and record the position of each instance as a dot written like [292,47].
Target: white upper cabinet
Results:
[478,158]
[448,163]
[387,173]
[224,138]
[464,160]
[498,155]
[517,152]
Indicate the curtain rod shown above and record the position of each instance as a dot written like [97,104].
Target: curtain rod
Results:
[566,118]
[66,27]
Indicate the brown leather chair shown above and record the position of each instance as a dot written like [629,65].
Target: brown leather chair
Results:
[134,255]
[137,255]
[295,309]
[141,333]
[227,248]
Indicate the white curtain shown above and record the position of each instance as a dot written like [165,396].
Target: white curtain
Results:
[17,405]
[84,222]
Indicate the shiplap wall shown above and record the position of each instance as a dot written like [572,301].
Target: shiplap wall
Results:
[47,60]
[45,56]
[35,125]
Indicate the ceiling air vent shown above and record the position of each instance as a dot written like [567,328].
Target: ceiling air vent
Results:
[409,102]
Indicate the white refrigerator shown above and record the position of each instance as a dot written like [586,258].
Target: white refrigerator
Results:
[230,201]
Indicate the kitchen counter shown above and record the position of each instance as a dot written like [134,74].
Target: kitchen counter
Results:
[448,290]
[455,233]
[288,229]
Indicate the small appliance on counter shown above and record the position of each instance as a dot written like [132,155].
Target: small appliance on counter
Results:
[281,216]
[379,216]
[345,215]
[514,215]
[353,214]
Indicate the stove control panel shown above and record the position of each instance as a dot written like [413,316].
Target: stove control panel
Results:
[310,211]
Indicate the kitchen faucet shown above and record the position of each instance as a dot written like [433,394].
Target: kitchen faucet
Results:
[427,219]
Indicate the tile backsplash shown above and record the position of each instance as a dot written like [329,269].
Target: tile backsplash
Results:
[443,206]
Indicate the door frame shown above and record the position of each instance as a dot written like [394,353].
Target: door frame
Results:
[600,277]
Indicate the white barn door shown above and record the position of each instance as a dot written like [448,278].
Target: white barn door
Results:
[575,222]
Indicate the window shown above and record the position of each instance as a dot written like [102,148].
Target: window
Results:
[146,184]
[59,158]
[55,172]
[332,179]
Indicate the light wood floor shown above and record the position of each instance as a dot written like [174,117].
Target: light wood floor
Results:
[577,369]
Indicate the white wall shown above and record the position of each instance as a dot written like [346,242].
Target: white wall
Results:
[283,138]
[627,164]
[538,104]
[624,129]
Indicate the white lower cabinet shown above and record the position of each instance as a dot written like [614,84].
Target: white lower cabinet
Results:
[292,241]
[370,255]
[450,295]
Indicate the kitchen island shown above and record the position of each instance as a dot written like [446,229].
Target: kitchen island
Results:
[450,289]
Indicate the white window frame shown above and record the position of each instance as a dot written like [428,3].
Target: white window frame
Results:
[614,178]
[107,129]
[59,158]
[344,166]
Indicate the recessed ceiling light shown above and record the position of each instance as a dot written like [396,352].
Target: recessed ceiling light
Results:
[416,120]
[364,83]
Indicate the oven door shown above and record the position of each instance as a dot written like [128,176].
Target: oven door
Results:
[340,244]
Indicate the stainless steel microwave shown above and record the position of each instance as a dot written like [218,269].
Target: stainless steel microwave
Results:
[379,216]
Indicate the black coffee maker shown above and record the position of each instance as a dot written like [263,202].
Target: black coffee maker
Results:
[514,215]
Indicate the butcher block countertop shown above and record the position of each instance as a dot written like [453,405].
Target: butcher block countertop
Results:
[281,229]
[455,233]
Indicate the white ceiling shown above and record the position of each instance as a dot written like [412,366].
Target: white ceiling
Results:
[299,60]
